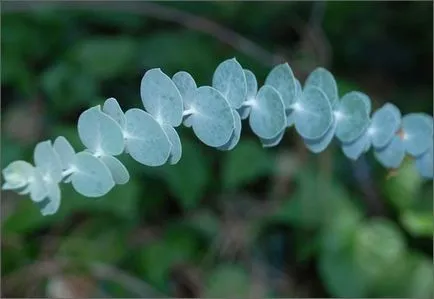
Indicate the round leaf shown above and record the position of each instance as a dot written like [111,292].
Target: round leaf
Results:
[424,163]
[353,117]
[273,141]
[356,148]
[91,178]
[233,141]
[365,99]
[100,133]
[267,117]
[146,141]
[252,89]
[417,133]
[186,86]
[317,146]
[48,162]
[391,155]
[17,175]
[213,122]
[325,81]
[161,97]
[176,147]
[230,80]
[313,116]
[37,188]
[111,108]
[384,125]
[118,171]
[53,200]
[283,80]
[187,121]
[252,85]
[65,151]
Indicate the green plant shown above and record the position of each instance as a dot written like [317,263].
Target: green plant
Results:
[215,114]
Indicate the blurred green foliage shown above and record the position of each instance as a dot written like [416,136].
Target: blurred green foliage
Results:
[212,224]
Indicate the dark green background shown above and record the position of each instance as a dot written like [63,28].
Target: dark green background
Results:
[277,222]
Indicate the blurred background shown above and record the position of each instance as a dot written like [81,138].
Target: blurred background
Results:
[249,223]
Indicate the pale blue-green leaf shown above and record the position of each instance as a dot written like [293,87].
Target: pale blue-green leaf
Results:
[65,151]
[244,112]
[385,122]
[176,147]
[318,145]
[100,133]
[273,141]
[353,117]
[233,141]
[53,200]
[146,141]
[325,81]
[17,175]
[366,99]
[186,86]
[112,108]
[356,148]
[429,119]
[186,121]
[37,187]
[252,85]
[161,97]
[48,161]
[298,90]
[213,122]
[252,89]
[313,114]
[230,80]
[392,155]
[267,117]
[283,80]
[424,163]
[92,177]
[418,133]
[118,170]
[290,115]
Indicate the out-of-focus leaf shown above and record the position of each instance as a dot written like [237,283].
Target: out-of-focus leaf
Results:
[177,246]
[228,281]
[247,162]
[421,284]
[341,225]
[400,279]
[188,179]
[317,202]
[378,245]
[106,57]
[418,223]
[67,87]
[90,244]
[402,189]
[341,276]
